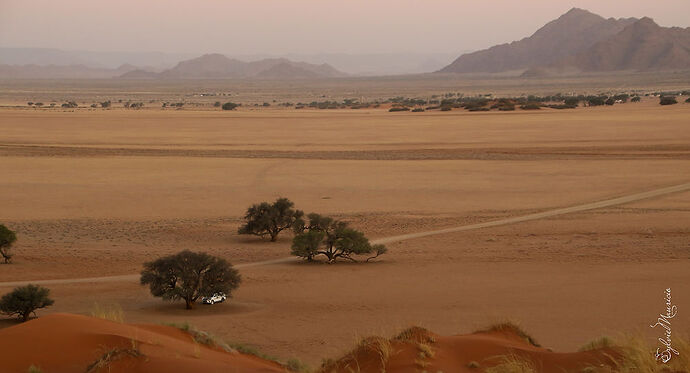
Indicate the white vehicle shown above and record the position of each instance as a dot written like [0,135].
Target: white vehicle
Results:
[215,298]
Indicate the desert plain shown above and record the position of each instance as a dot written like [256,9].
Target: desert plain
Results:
[92,194]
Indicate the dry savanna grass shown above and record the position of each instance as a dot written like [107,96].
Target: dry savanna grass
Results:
[110,356]
[112,312]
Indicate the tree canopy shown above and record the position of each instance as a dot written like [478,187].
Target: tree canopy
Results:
[266,219]
[189,276]
[332,238]
[24,301]
[7,238]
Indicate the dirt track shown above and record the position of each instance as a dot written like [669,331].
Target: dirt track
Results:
[670,151]
[512,220]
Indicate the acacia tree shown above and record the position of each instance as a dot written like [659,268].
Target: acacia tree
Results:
[267,219]
[7,238]
[189,276]
[24,301]
[332,238]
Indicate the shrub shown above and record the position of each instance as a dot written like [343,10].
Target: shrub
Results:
[571,101]
[596,101]
[667,100]
[216,104]
[70,104]
[30,103]
[7,238]
[446,108]
[105,104]
[331,238]
[24,301]
[295,365]
[229,106]
[530,106]
[635,99]
[687,101]
[610,101]
[189,276]
[418,110]
[265,219]
[398,108]
[562,106]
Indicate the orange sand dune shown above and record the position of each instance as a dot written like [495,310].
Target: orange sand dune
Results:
[68,343]
[418,350]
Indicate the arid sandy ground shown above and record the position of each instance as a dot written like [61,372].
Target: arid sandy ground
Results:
[96,193]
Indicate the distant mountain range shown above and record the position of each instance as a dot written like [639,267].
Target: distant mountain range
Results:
[580,41]
[208,66]
[70,62]
[61,72]
[218,66]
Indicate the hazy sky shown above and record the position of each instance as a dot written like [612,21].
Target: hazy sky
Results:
[297,26]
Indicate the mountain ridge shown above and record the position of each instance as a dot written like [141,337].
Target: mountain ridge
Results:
[581,41]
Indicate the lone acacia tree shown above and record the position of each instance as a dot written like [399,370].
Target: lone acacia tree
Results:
[7,238]
[267,219]
[189,276]
[332,238]
[24,301]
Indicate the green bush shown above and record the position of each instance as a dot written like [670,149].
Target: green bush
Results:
[571,101]
[596,101]
[332,238]
[189,276]
[24,301]
[229,106]
[667,100]
[635,99]
[266,219]
[530,106]
[398,108]
[7,238]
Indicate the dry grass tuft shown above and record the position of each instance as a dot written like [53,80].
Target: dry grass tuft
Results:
[637,355]
[415,334]
[377,347]
[425,351]
[511,327]
[110,356]
[512,364]
[112,312]
[202,337]
[599,343]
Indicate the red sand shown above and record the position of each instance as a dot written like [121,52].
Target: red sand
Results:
[455,353]
[66,343]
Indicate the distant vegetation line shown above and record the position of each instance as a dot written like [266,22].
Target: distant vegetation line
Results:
[668,151]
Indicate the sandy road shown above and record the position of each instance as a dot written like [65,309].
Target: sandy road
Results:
[517,219]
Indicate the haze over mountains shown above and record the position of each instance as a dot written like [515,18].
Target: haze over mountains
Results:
[68,64]
[218,66]
[576,42]
[580,41]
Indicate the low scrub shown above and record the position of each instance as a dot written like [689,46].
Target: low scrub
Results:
[110,356]
[511,327]
[667,100]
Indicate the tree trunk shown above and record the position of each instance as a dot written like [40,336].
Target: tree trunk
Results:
[274,236]
[189,304]
[25,317]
